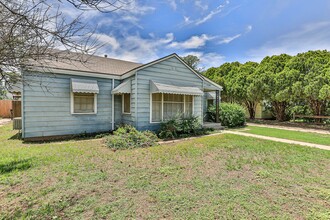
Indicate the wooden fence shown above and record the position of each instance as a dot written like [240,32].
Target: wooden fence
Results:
[10,109]
[17,109]
[5,107]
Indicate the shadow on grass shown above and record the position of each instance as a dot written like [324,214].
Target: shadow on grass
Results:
[17,165]
[17,136]
[237,128]
[61,138]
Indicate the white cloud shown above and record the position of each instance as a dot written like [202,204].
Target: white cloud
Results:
[135,48]
[192,43]
[211,14]
[207,60]
[186,19]
[107,40]
[202,5]
[248,28]
[173,4]
[212,60]
[227,40]
[312,36]
[135,8]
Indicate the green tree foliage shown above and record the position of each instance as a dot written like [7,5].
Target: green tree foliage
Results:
[193,61]
[220,75]
[310,75]
[3,92]
[241,86]
[238,82]
[275,84]
[284,81]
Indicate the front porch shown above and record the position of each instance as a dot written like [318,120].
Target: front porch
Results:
[211,98]
[213,125]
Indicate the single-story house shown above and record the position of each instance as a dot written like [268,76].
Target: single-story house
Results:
[64,98]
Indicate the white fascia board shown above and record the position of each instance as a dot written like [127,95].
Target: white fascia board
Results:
[74,73]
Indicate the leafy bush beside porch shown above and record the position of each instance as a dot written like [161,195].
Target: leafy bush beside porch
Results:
[230,115]
[181,127]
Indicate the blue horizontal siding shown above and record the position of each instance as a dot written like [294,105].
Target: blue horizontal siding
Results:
[47,106]
[168,70]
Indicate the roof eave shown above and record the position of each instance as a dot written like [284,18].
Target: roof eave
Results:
[72,72]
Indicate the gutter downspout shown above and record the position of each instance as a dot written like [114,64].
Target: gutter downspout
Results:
[113,107]
[136,101]
[22,107]
[202,105]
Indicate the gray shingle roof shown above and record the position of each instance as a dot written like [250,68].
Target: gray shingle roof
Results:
[86,63]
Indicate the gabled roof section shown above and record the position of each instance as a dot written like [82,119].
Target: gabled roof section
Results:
[162,59]
[182,61]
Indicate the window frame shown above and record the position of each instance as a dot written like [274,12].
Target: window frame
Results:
[162,107]
[83,113]
[208,104]
[123,104]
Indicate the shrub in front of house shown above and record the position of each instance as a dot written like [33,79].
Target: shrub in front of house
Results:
[180,127]
[127,137]
[231,115]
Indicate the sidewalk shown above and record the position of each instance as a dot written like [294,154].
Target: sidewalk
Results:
[320,146]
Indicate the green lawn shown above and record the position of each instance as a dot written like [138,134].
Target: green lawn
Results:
[217,177]
[288,134]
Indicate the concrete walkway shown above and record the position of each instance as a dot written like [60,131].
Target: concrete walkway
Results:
[4,121]
[320,146]
[310,130]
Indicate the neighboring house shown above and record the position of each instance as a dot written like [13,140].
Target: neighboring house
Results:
[14,91]
[261,112]
[74,97]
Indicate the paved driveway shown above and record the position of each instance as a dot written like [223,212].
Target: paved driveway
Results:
[4,121]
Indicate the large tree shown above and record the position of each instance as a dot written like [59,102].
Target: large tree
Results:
[241,86]
[275,83]
[311,79]
[193,61]
[32,29]
[238,82]
[221,75]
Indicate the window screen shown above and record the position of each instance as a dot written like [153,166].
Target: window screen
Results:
[156,107]
[127,103]
[83,103]
[168,106]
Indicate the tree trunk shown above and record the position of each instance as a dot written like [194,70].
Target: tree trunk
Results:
[318,108]
[279,109]
[251,106]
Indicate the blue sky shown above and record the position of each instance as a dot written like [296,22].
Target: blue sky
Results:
[216,31]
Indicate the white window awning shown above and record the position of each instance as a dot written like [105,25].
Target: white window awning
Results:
[123,88]
[84,86]
[156,87]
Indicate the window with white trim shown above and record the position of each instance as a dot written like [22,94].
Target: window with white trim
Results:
[157,108]
[84,103]
[126,103]
[167,106]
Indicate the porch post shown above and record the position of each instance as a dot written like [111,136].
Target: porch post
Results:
[217,94]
